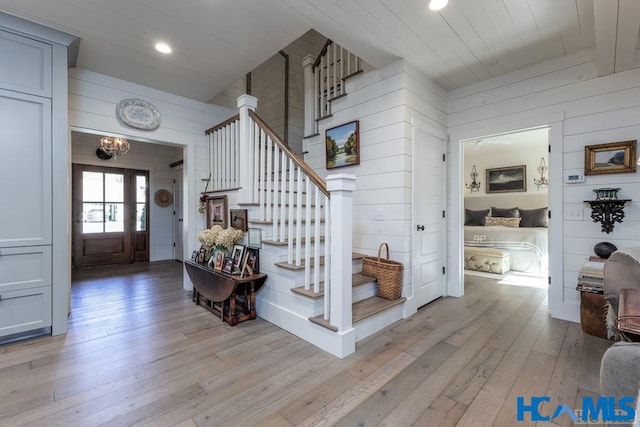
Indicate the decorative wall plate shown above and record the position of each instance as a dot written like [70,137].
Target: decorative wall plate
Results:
[138,114]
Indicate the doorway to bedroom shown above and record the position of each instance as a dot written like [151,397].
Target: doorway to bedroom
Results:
[505,188]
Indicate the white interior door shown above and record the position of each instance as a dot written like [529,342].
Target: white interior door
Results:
[428,207]
[177,214]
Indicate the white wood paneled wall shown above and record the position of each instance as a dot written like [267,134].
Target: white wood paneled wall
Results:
[595,110]
[383,100]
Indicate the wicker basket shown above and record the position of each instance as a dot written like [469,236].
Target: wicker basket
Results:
[388,274]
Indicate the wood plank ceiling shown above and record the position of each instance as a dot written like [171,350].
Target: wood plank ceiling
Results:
[217,41]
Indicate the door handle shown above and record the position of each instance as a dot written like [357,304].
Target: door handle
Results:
[180,220]
[420,227]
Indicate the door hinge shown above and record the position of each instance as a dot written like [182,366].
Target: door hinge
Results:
[444,269]
[174,244]
[443,214]
[549,214]
[444,157]
[549,280]
[549,147]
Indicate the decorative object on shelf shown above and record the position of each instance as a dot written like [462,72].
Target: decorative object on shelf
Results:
[614,157]
[607,212]
[239,219]
[218,237]
[163,198]
[138,114]
[508,179]
[606,193]
[342,145]
[604,249]
[202,203]
[542,170]
[114,146]
[216,211]
[475,184]
[238,258]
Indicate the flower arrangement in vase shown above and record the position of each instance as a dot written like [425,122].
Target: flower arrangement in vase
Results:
[217,237]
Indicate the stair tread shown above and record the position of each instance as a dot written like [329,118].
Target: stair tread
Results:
[361,310]
[286,242]
[294,267]
[357,279]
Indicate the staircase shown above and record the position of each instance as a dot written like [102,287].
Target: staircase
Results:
[315,288]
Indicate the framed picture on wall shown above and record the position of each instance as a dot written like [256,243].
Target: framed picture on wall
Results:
[613,157]
[217,211]
[239,219]
[342,145]
[507,179]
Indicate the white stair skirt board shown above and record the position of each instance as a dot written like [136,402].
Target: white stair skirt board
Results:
[513,278]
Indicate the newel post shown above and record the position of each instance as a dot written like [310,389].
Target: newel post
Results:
[341,188]
[246,103]
[309,96]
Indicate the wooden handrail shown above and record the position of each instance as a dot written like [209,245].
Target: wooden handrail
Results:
[317,180]
[223,124]
[322,53]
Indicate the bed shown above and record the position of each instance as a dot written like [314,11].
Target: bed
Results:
[527,246]
[526,242]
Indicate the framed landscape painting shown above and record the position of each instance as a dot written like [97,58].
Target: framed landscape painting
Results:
[508,179]
[613,157]
[342,145]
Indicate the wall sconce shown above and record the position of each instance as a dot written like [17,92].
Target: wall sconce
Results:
[542,170]
[475,184]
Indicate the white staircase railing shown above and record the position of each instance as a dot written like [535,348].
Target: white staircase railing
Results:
[324,81]
[293,200]
[225,154]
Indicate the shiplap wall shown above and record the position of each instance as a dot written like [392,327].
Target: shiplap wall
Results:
[93,98]
[590,110]
[384,101]
[151,157]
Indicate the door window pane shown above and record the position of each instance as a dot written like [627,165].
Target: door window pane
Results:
[141,188]
[92,186]
[114,217]
[92,217]
[114,187]
[141,217]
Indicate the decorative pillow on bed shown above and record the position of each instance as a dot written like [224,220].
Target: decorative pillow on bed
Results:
[505,213]
[507,222]
[472,217]
[533,217]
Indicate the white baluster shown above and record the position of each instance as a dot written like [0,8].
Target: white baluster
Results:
[298,257]
[290,234]
[283,196]
[269,177]
[274,178]
[327,258]
[307,235]
[255,140]
[316,242]
[261,176]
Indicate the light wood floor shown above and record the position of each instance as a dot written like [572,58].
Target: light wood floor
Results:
[139,352]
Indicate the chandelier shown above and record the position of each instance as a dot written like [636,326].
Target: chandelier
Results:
[542,170]
[114,146]
[475,184]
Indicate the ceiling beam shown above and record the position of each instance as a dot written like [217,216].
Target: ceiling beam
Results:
[627,36]
[605,13]
[617,24]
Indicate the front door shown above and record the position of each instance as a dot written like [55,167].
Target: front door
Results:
[177,214]
[428,207]
[111,216]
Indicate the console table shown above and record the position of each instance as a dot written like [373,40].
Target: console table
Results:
[229,296]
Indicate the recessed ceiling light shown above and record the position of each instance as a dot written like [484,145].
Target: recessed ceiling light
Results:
[163,47]
[437,4]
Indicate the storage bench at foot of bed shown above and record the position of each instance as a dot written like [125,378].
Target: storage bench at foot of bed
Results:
[490,260]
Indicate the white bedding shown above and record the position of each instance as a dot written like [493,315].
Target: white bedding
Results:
[527,246]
